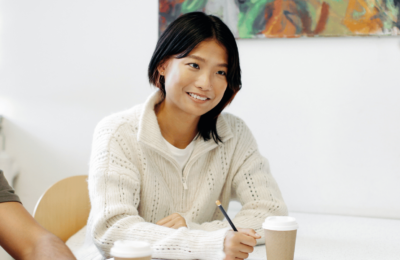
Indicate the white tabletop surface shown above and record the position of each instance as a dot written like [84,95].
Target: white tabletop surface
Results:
[331,237]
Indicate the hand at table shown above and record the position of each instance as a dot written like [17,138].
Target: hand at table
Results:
[172,221]
[238,245]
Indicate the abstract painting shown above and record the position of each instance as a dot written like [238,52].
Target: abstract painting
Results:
[293,18]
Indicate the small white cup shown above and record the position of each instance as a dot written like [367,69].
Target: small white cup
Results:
[131,250]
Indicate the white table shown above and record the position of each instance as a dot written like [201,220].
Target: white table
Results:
[331,237]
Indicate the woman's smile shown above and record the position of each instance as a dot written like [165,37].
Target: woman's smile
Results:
[198,98]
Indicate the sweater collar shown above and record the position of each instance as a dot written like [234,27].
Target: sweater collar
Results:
[150,133]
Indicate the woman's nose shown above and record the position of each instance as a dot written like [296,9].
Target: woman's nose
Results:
[204,82]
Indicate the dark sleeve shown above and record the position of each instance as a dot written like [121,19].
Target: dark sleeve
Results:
[6,192]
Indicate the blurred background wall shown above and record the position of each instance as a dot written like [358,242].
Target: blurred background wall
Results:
[325,111]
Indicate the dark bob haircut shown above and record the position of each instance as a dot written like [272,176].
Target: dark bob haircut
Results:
[178,40]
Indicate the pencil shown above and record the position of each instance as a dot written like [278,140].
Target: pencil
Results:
[226,215]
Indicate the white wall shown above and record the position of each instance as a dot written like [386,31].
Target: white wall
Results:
[325,111]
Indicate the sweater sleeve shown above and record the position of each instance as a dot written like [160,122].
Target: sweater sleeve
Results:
[253,185]
[114,188]
[258,193]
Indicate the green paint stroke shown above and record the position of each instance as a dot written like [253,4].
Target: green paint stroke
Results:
[193,6]
[334,25]
[312,13]
[357,15]
[392,14]
[248,13]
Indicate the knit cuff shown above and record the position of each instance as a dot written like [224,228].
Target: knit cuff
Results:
[192,225]
[195,226]
[213,245]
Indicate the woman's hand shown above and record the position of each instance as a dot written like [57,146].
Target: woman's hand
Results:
[172,221]
[238,245]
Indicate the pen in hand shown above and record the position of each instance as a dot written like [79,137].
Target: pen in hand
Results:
[226,215]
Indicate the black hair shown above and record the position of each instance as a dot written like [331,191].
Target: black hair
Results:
[178,40]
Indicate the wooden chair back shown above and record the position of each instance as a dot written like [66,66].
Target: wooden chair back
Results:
[64,208]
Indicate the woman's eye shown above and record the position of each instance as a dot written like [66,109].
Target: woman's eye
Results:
[222,73]
[194,65]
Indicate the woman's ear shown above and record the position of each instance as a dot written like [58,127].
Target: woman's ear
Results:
[162,67]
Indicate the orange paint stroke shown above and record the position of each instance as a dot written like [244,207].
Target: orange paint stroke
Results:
[281,25]
[164,6]
[278,25]
[368,23]
[323,18]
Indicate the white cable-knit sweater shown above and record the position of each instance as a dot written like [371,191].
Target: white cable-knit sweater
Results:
[134,181]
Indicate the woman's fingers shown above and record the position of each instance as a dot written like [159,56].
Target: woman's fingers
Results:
[248,240]
[249,232]
[238,245]
[164,220]
[169,218]
[169,224]
[172,221]
[175,215]
[246,249]
[173,224]
[177,225]
[241,255]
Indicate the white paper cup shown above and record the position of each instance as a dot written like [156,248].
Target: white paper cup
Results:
[280,237]
[131,250]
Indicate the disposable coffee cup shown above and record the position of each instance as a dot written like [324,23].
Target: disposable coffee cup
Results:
[280,237]
[131,250]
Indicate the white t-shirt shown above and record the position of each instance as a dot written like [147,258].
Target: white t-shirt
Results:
[180,155]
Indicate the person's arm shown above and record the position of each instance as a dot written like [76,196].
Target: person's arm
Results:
[236,244]
[253,185]
[258,193]
[23,238]
[115,187]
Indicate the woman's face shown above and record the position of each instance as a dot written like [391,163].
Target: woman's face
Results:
[196,83]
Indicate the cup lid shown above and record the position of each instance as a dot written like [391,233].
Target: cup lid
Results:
[280,223]
[127,248]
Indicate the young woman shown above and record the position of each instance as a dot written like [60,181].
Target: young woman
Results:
[157,169]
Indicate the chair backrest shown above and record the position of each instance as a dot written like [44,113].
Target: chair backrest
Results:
[64,208]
